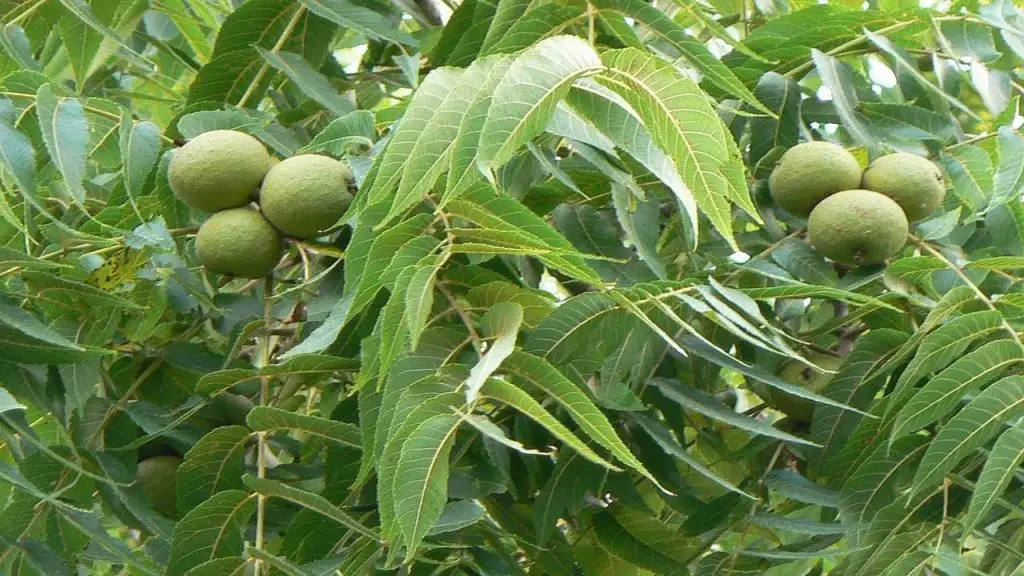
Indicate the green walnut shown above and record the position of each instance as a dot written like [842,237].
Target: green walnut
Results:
[157,477]
[239,242]
[218,170]
[810,172]
[795,407]
[858,227]
[306,194]
[915,183]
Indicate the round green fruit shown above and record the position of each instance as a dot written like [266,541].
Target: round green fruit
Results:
[810,172]
[157,478]
[796,408]
[857,227]
[915,183]
[218,170]
[239,242]
[307,194]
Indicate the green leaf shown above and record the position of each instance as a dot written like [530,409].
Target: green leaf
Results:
[297,365]
[55,287]
[799,525]
[235,67]
[502,322]
[856,384]
[878,478]
[944,391]
[419,401]
[909,122]
[939,348]
[510,395]
[358,17]
[213,465]
[506,216]
[83,11]
[615,118]
[571,479]
[314,502]
[1002,465]
[903,62]
[782,96]
[213,529]
[18,158]
[463,169]
[27,340]
[682,123]
[703,348]
[671,447]
[353,130]
[269,419]
[667,30]
[547,378]
[794,486]
[838,77]
[431,154]
[534,24]
[285,566]
[230,566]
[976,424]
[524,101]
[427,101]
[970,170]
[140,151]
[66,135]
[620,543]
[421,481]
[697,401]
[311,82]
[1009,176]
[458,515]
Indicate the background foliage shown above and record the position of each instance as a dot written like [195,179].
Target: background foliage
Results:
[535,343]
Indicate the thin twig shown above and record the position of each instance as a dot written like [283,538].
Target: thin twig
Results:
[261,448]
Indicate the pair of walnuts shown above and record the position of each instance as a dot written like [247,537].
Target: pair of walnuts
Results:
[299,197]
[856,217]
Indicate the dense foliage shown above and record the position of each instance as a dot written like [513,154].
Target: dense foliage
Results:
[541,338]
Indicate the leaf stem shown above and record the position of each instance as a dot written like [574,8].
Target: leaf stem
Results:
[274,50]
[261,448]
